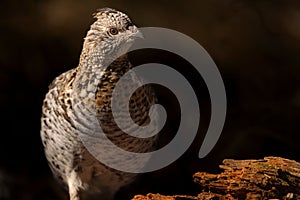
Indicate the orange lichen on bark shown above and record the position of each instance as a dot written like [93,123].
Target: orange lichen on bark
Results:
[268,178]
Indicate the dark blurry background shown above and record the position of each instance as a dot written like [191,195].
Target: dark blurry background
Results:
[255,44]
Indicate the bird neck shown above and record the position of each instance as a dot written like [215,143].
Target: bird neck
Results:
[91,61]
[91,67]
[90,72]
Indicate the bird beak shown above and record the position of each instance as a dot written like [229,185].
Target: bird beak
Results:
[137,33]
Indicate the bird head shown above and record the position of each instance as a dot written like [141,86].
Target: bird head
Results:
[112,34]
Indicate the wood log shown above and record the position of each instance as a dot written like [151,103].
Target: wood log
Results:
[268,178]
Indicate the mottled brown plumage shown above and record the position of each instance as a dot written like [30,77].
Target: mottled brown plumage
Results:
[79,102]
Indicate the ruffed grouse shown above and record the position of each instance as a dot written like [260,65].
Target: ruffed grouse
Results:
[88,89]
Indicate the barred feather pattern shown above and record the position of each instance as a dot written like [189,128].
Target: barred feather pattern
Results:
[79,102]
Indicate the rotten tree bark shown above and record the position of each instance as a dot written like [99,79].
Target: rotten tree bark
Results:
[268,178]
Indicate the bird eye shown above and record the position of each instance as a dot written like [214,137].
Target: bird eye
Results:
[113,31]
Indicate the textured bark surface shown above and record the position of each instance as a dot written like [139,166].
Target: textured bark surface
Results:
[268,178]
